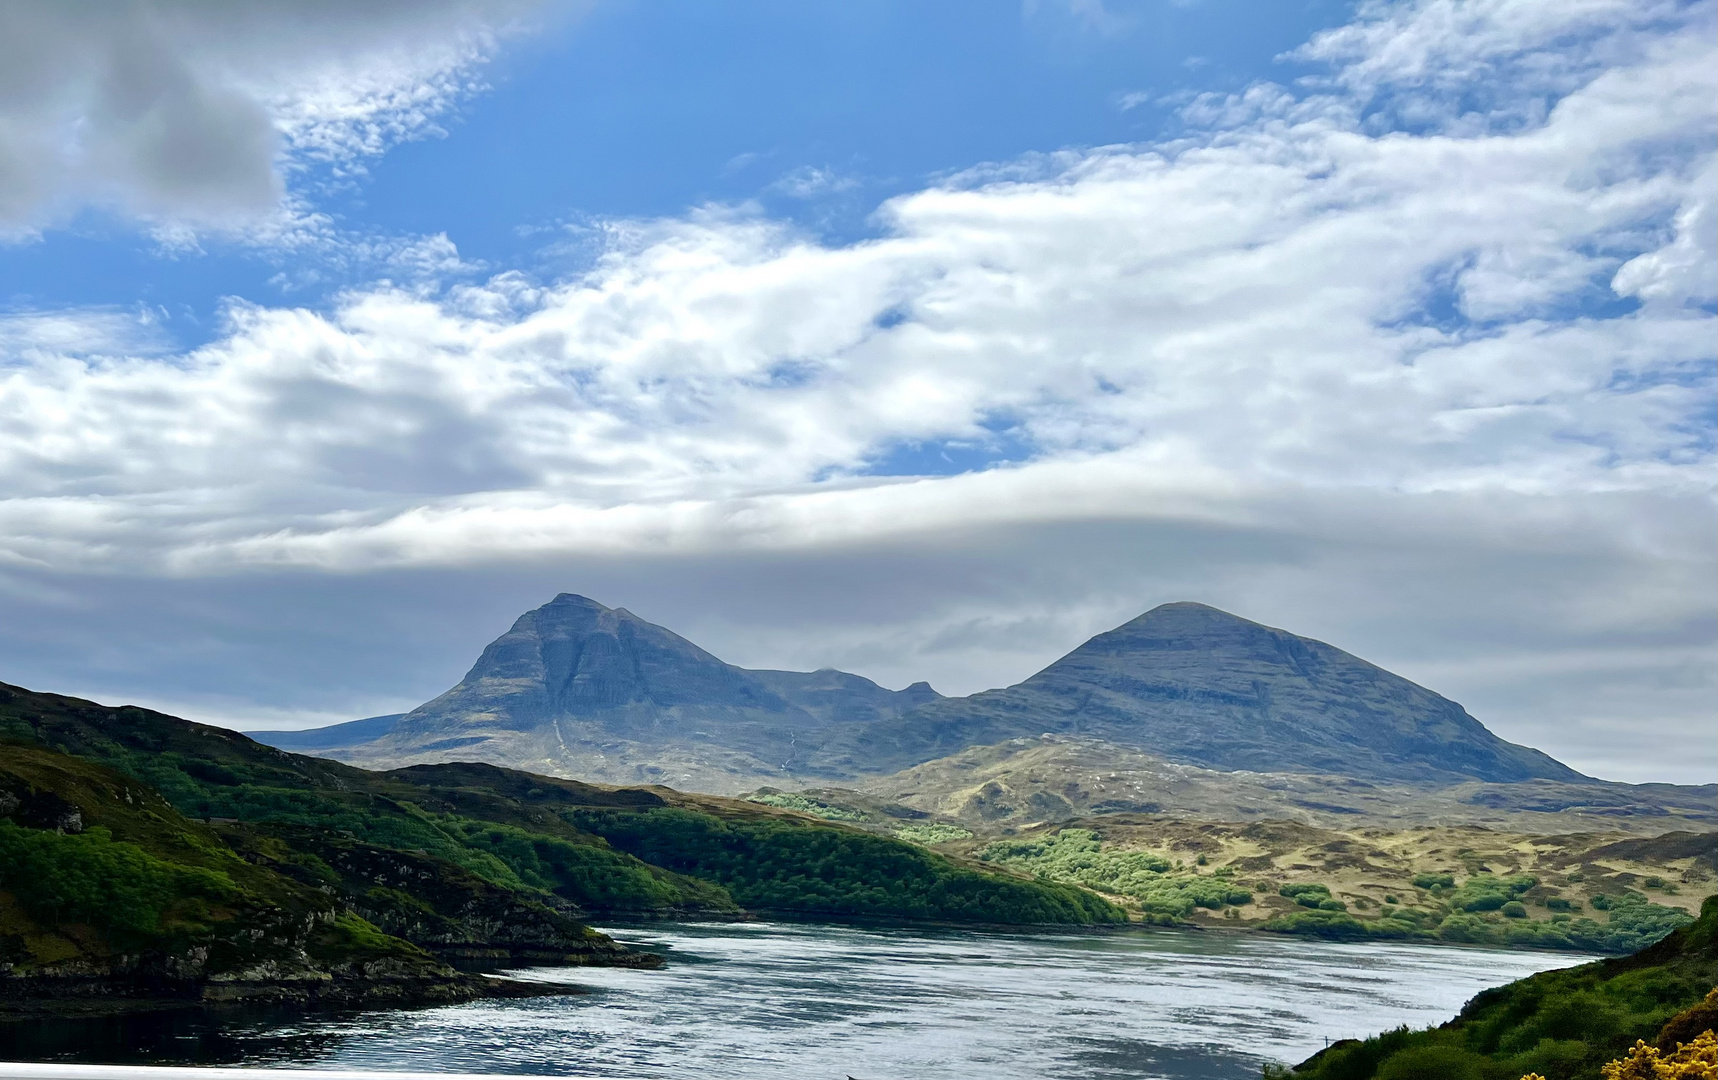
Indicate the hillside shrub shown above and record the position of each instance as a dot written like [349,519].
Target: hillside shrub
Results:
[1309,895]
[1487,892]
[806,805]
[1696,1060]
[931,834]
[770,864]
[1078,857]
[593,877]
[1564,1024]
[113,886]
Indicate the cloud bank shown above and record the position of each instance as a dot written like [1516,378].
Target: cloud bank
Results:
[1427,342]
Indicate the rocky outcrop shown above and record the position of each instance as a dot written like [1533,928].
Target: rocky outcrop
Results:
[442,908]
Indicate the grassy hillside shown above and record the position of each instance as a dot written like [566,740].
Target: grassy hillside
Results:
[1062,778]
[1563,1025]
[1598,893]
[591,848]
[100,878]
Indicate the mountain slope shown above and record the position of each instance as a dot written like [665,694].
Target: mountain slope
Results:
[1194,684]
[556,844]
[107,892]
[332,737]
[581,689]
[1063,777]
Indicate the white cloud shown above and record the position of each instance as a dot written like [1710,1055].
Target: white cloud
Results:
[185,114]
[810,182]
[1346,320]
[1686,268]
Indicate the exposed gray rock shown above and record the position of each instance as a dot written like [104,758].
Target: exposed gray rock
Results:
[580,689]
[1194,684]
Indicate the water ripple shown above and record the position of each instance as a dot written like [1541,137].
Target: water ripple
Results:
[762,1001]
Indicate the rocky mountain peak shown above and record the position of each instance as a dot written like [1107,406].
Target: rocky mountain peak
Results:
[1200,685]
[579,688]
[576,656]
[598,692]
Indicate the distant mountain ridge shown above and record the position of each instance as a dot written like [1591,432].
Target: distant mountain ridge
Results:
[579,689]
[1198,685]
[332,737]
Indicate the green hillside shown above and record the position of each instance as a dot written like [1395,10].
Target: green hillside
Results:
[102,879]
[442,855]
[777,864]
[1564,1025]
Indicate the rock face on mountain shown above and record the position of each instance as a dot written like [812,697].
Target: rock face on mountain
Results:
[1194,684]
[580,689]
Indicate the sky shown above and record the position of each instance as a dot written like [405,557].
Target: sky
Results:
[919,340]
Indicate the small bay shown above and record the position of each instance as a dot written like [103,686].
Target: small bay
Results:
[773,1000]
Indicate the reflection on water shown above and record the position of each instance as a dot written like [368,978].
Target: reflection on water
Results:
[182,1036]
[765,1000]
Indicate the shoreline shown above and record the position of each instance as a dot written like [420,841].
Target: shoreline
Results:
[100,1003]
[1093,930]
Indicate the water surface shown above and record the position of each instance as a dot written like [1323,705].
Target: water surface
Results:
[763,1001]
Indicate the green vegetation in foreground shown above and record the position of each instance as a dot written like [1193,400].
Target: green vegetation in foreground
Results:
[1485,910]
[775,864]
[119,889]
[617,851]
[94,865]
[1564,1025]
[805,805]
[1078,857]
[597,876]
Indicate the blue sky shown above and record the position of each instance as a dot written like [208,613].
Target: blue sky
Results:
[810,113]
[918,340]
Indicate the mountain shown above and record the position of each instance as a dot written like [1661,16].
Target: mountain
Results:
[580,689]
[351,733]
[1194,684]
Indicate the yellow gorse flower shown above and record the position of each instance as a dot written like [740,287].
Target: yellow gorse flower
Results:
[1697,1060]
